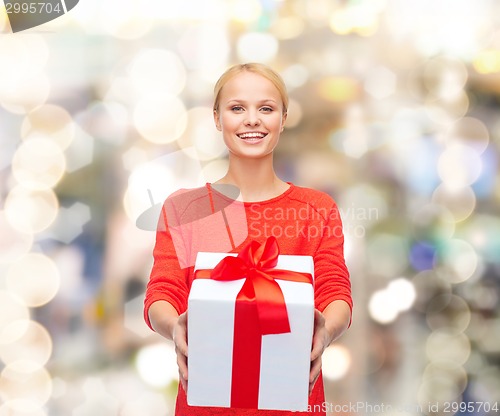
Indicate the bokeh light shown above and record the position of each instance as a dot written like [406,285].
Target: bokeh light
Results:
[487,61]
[160,118]
[11,309]
[28,95]
[244,11]
[214,170]
[429,285]
[13,243]
[445,111]
[257,47]
[25,340]
[288,27]
[295,76]
[490,343]
[459,166]
[126,22]
[471,132]
[157,71]
[294,115]
[433,223]
[445,78]
[381,82]
[403,291]
[147,404]
[31,211]
[443,381]
[336,362]
[386,304]
[360,20]
[51,122]
[205,50]
[38,164]
[201,140]
[156,364]
[153,179]
[459,202]
[449,312]
[458,261]
[27,55]
[483,233]
[443,344]
[339,89]
[24,386]
[34,278]
[382,307]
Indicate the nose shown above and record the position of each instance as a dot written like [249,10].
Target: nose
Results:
[252,118]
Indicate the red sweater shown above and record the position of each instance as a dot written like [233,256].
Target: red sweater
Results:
[304,221]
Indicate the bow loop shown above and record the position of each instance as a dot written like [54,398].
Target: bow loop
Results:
[261,256]
[230,268]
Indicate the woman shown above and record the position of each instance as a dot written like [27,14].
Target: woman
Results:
[250,109]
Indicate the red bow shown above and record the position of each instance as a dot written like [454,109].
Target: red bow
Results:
[260,309]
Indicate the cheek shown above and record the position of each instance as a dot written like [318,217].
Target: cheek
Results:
[228,123]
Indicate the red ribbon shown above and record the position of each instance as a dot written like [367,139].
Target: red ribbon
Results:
[260,309]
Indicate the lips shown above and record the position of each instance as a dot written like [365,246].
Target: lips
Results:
[252,137]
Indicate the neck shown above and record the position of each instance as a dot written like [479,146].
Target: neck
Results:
[255,178]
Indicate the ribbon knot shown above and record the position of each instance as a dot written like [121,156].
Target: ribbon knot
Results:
[254,263]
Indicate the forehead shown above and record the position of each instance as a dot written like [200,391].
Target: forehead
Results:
[249,85]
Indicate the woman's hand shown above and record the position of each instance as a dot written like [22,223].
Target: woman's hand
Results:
[321,340]
[328,326]
[179,336]
[167,322]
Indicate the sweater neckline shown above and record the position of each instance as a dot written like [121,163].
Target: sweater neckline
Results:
[247,204]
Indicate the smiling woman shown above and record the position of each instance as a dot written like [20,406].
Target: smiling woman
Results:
[250,109]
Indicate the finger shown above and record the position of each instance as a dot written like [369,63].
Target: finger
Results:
[311,386]
[319,319]
[314,374]
[183,382]
[315,370]
[317,348]
[182,364]
[181,344]
[180,335]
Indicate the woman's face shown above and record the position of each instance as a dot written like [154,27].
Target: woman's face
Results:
[250,115]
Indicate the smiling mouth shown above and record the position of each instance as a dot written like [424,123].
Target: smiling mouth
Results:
[252,136]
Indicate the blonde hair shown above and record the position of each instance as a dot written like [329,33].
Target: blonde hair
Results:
[256,68]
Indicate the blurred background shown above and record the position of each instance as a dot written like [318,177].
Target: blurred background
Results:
[394,112]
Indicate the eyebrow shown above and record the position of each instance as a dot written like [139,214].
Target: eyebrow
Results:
[238,101]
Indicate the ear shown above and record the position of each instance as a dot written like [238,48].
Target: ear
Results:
[283,119]
[217,120]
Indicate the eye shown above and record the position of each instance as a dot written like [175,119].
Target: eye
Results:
[267,109]
[237,108]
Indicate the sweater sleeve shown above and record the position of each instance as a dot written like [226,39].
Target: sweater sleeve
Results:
[168,281]
[332,280]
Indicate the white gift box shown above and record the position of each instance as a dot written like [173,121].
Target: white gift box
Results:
[285,358]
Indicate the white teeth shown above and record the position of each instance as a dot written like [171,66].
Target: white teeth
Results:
[251,135]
